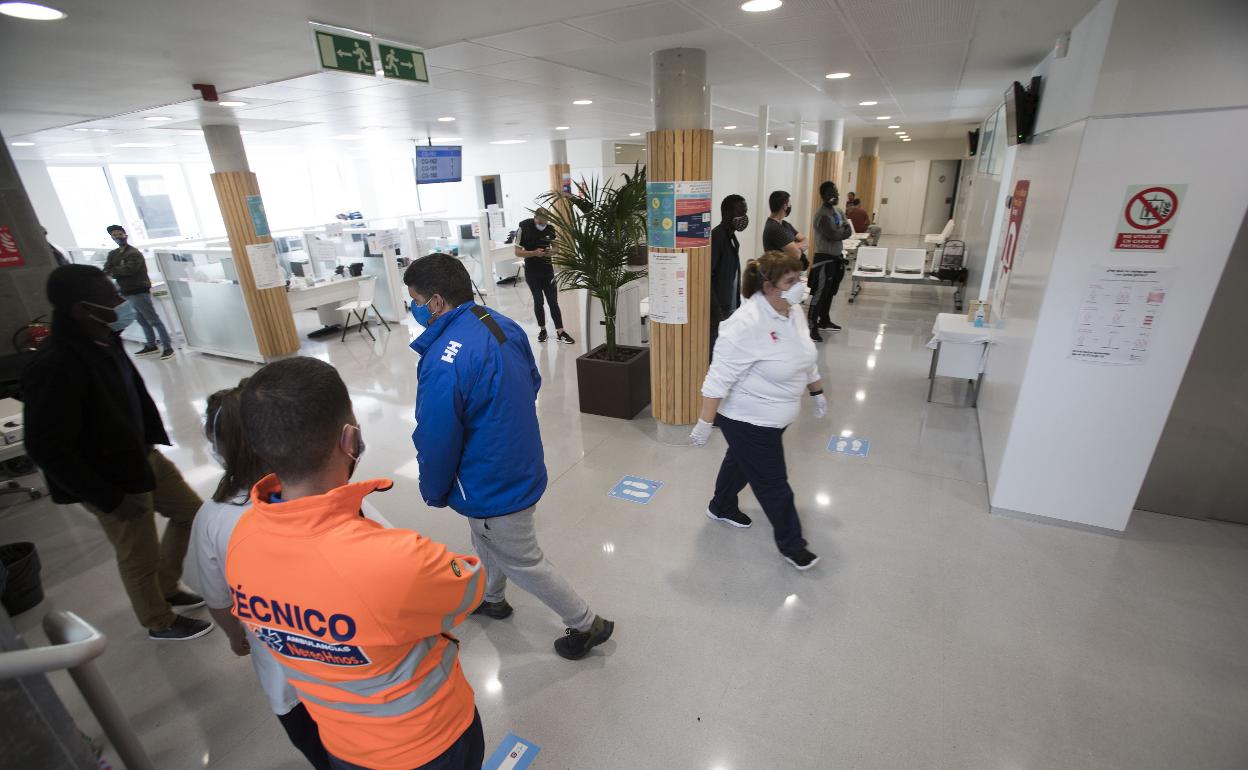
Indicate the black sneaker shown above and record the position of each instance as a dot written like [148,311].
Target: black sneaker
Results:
[542,336]
[736,519]
[575,645]
[167,354]
[147,350]
[183,628]
[803,559]
[184,600]
[815,335]
[564,338]
[495,610]
[832,327]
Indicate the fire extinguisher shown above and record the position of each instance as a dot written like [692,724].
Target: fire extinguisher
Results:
[32,335]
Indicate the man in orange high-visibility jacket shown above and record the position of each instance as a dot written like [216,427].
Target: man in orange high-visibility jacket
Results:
[358,616]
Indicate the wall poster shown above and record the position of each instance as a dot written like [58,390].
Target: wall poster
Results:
[669,287]
[1118,314]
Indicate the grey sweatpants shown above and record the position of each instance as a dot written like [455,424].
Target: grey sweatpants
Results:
[508,548]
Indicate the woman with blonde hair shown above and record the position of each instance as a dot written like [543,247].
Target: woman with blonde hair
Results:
[763,362]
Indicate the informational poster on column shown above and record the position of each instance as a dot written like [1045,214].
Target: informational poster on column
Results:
[265,270]
[565,183]
[669,287]
[259,220]
[1118,314]
[693,215]
[661,214]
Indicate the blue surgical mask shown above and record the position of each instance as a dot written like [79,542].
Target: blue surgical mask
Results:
[422,314]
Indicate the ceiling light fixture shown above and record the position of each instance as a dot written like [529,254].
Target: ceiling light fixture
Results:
[561,128]
[739,144]
[232,104]
[867,104]
[729,128]
[900,133]
[158,118]
[883,117]
[508,141]
[761,6]
[92,130]
[894,126]
[31,12]
[788,138]
[906,139]
[583,102]
[143,145]
[635,133]
[719,141]
[836,75]
[21,144]
[446,119]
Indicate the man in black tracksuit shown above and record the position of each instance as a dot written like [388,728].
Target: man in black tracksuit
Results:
[534,243]
[828,269]
[91,427]
[726,261]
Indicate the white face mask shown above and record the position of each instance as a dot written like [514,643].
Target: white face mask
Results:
[539,227]
[794,293]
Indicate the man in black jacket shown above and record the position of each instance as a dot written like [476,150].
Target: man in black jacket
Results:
[534,242]
[726,261]
[831,229]
[128,267]
[91,426]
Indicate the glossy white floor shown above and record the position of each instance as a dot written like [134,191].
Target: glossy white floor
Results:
[931,635]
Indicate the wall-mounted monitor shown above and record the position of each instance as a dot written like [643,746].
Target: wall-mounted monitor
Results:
[972,142]
[438,164]
[1021,105]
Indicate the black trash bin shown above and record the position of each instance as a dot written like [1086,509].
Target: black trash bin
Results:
[22,587]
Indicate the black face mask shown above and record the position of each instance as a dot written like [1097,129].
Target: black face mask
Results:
[120,240]
[788,210]
[740,223]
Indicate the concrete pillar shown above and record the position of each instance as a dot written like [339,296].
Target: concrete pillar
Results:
[829,159]
[796,187]
[679,149]
[22,279]
[868,170]
[237,192]
[759,210]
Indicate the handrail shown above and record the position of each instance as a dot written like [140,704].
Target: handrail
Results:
[83,644]
[75,643]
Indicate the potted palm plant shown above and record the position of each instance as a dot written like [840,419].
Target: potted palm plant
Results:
[598,228]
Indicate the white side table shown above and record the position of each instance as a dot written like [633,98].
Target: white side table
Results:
[959,350]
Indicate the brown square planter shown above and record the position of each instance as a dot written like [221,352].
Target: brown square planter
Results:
[614,388]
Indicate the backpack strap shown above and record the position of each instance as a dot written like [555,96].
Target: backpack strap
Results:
[484,317]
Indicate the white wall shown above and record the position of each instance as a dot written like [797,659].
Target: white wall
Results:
[735,170]
[38,184]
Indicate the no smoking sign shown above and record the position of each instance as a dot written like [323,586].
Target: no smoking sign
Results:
[1148,217]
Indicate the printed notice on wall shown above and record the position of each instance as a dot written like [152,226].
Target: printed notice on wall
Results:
[669,287]
[265,271]
[693,214]
[1118,314]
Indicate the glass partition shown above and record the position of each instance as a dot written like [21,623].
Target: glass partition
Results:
[209,302]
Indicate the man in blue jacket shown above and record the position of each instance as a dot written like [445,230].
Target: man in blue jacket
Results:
[478,443]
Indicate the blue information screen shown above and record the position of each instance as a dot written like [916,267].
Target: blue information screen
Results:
[438,164]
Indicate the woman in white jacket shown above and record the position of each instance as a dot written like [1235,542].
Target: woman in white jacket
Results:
[764,361]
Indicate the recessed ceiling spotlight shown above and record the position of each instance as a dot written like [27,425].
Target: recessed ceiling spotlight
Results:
[719,141]
[635,133]
[894,126]
[21,144]
[836,75]
[158,118]
[883,117]
[561,128]
[447,119]
[92,130]
[232,104]
[508,141]
[143,145]
[788,138]
[729,128]
[867,104]
[906,139]
[31,12]
[739,144]
[900,133]
[759,6]
[756,146]
[583,102]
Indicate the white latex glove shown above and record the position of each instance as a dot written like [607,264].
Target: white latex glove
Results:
[821,406]
[701,433]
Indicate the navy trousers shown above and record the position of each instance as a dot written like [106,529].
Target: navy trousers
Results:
[467,753]
[756,457]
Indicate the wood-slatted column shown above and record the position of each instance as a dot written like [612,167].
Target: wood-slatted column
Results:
[680,353]
[868,170]
[828,166]
[557,170]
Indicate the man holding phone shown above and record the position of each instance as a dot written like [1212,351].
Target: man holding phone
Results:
[534,243]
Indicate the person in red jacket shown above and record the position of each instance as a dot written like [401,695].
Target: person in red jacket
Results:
[358,616]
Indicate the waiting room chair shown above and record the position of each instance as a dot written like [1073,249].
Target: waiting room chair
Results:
[872,262]
[938,239]
[360,307]
[908,264]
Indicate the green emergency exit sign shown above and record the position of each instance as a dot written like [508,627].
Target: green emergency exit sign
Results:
[346,53]
[402,63]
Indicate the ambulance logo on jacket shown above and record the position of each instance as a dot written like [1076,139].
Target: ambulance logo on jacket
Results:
[311,644]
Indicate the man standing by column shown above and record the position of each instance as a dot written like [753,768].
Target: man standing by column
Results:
[533,242]
[726,261]
[828,269]
[126,265]
[478,443]
[91,427]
